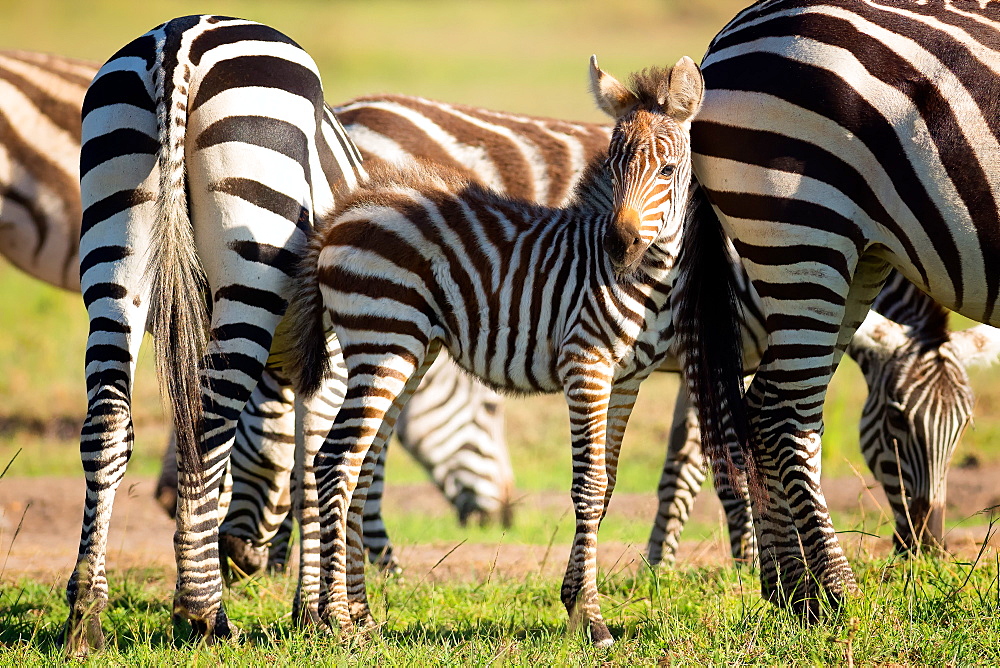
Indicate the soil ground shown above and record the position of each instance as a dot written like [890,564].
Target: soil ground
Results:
[40,517]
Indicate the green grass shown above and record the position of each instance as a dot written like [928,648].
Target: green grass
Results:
[938,613]
[525,56]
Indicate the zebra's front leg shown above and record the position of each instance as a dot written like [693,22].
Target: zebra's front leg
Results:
[588,393]
[620,405]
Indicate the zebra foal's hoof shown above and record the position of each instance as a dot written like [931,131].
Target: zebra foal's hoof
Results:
[82,635]
[600,636]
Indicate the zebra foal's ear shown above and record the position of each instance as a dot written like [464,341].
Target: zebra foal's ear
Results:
[611,95]
[685,90]
[978,346]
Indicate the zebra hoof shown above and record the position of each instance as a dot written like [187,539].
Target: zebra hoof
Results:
[246,559]
[83,634]
[600,636]
[210,633]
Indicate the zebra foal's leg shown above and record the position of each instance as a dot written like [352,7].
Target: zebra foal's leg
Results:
[379,379]
[315,416]
[588,392]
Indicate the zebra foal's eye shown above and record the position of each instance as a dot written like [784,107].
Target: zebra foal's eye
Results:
[668,170]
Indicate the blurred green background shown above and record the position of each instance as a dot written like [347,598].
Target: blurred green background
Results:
[524,56]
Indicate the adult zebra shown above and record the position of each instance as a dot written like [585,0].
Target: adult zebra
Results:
[839,139]
[456,433]
[185,193]
[39,205]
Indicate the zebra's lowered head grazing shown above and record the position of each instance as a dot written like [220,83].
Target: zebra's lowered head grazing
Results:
[923,368]
[650,142]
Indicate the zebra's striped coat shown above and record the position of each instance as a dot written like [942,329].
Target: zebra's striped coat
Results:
[839,139]
[522,296]
[185,194]
[456,433]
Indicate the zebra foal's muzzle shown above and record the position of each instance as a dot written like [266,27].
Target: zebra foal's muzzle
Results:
[622,240]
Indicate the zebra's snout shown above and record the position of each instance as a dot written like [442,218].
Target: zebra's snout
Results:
[622,241]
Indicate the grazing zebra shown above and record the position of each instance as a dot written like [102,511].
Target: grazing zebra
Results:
[456,431]
[185,193]
[918,406]
[837,140]
[417,260]
[39,207]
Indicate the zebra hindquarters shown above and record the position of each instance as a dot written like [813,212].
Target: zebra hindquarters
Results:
[119,179]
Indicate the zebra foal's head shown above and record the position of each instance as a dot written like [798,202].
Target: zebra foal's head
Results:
[650,155]
[918,406]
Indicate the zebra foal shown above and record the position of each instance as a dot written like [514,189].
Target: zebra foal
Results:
[524,297]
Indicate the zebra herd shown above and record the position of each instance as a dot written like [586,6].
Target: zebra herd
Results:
[583,269]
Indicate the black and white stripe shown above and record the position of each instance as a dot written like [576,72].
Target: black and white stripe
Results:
[188,194]
[40,100]
[456,433]
[538,157]
[839,139]
[524,297]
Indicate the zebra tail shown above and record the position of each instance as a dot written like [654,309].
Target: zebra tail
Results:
[707,319]
[306,358]
[178,286]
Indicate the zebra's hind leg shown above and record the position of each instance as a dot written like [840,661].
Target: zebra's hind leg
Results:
[381,376]
[376,537]
[261,464]
[356,591]
[802,563]
[730,480]
[117,219]
[314,417]
[683,474]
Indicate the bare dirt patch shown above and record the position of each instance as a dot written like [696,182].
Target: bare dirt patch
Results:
[40,518]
